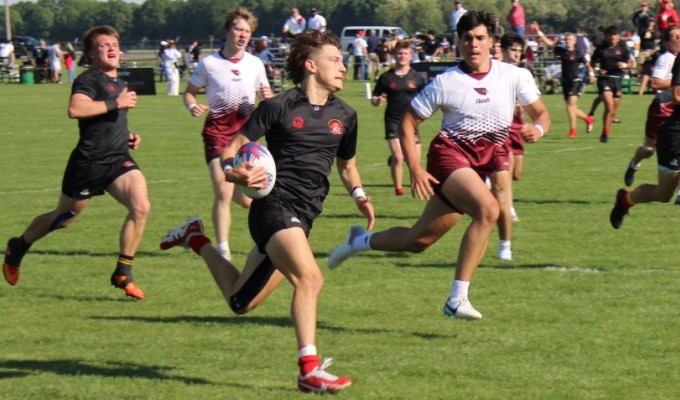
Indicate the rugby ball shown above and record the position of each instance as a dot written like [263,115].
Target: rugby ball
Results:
[258,156]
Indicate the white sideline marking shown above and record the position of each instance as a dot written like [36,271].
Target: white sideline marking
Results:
[571,269]
[573,149]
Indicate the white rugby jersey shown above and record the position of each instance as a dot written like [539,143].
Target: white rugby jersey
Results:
[477,106]
[663,69]
[230,86]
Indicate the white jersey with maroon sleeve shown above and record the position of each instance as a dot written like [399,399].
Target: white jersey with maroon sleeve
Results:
[230,86]
[477,106]
[663,69]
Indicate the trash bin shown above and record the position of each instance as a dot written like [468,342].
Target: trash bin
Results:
[26,76]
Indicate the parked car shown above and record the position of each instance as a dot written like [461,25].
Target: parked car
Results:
[24,46]
[349,33]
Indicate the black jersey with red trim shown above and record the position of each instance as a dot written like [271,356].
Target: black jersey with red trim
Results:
[304,140]
[609,56]
[570,60]
[103,138]
[400,90]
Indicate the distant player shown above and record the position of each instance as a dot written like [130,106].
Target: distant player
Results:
[661,107]
[101,161]
[307,128]
[477,100]
[613,58]
[231,79]
[397,87]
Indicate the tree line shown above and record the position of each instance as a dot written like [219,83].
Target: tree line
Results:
[154,20]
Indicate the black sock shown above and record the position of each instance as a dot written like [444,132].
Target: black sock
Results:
[124,265]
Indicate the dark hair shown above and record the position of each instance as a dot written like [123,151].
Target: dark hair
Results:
[511,38]
[301,50]
[666,35]
[474,18]
[93,33]
[242,13]
[611,30]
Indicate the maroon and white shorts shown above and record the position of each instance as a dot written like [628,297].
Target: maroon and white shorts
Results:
[657,115]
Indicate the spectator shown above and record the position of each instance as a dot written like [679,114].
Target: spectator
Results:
[40,58]
[373,63]
[667,16]
[498,29]
[295,24]
[70,62]
[316,22]
[161,49]
[7,56]
[263,52]
[516,18]
[54,53]
[643,18]
[457,12]
[431,47]
[360,53]
[196,48]
[171,57]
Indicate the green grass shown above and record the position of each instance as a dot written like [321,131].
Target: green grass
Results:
[583,311]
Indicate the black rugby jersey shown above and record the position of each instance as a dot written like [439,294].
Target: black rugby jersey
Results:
[304,140]
[103,138]
[570,61]
[609,56]
[400,90]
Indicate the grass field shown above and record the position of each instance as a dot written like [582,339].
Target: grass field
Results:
[582,312]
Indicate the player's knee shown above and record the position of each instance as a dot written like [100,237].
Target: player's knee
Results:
[141,209]
[62,220]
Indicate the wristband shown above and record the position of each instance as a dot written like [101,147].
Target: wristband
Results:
[191,106]
[540,129]
[227,167]
[358,193]
[111,105]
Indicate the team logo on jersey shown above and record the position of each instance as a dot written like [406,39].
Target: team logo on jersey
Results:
[298,123]
[128,164]
[393,85]
[335,127]
[236,72]
[411,84]
[481,91]
[112,87]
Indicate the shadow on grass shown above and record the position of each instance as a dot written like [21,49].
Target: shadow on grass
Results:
[80,368]
[117,297]
[270,321]
[88,253]
[560,201]
[381,214]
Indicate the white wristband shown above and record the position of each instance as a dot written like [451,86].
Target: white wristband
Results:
[191,106]
[358,193]
[540,128]
[227,167]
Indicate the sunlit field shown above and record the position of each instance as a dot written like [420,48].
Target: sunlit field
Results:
[582,311]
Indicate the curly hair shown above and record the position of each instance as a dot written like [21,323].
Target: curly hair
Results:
[240,13]
[303,47]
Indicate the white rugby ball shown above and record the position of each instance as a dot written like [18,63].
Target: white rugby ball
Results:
[258,156]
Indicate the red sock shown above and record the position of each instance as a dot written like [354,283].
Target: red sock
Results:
[308,363]
[196,242]
[626,200]
[572,131]
[605,131]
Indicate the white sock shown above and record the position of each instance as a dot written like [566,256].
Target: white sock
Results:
[362,242]
[504,244]
[307,350]
[223,248]
[459,289]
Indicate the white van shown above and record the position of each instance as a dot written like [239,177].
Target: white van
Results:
[349,33]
